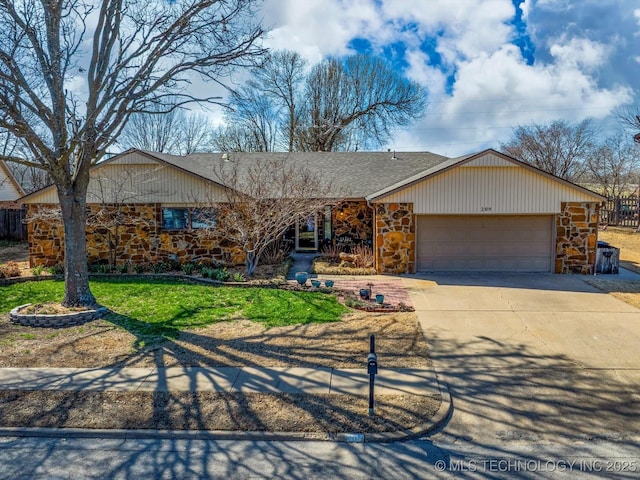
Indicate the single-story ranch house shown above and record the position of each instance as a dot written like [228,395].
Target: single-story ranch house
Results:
[418,211]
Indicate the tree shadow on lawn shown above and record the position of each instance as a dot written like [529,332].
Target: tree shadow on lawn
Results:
[166,345]
[505,388]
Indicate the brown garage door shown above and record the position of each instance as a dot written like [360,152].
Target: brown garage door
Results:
[486,243]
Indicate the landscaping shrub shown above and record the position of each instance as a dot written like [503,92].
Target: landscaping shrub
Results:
[238,277]
[160,267]
[188,268]
[365,257]
[139,268]
[220,274]
[124,268]
[37,270]
[9,269]
[331,252]
[275,253]
[57,269]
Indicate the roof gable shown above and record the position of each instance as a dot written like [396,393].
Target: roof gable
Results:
[10,189]
[486,159]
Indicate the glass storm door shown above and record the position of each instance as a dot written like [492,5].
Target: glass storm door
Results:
[307,234]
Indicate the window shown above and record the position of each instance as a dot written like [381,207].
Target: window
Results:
[186,219]
[175,218]
[204,218]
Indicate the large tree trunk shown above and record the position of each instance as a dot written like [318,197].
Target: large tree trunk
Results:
[76,271]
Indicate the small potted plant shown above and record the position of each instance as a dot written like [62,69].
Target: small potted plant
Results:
[316,283]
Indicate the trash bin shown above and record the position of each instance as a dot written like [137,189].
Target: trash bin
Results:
[607,259]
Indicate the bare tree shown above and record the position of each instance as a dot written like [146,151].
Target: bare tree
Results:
[254,114]
[364,95]
[267,108]
[337,106]
[263,199]
[129,57]
[176,132]
[613,166]
[558,148]
[629,118]
[235,138]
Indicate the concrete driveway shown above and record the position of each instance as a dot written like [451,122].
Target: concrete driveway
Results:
[532,357]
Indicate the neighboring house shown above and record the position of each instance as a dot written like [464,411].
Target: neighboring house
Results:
[418,211]
[10,189]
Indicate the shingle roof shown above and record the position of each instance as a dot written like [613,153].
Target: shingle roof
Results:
[354,174]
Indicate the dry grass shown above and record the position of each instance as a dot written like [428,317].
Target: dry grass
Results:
[325,266]
[211,411]
[627,291]
[628,241]
[343,344]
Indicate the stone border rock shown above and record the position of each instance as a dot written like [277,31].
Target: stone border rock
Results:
[55,320]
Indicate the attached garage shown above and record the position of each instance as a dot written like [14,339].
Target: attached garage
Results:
[485,212]
[485,243]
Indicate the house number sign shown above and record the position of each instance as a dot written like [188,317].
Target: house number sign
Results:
[486,209]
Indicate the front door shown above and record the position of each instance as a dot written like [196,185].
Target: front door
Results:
[307,234]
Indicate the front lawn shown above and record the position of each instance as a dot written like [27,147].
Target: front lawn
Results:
[162,308]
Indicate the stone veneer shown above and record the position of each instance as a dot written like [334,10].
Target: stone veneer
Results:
[395,238]
[354,219]
[576,237]
[139,239]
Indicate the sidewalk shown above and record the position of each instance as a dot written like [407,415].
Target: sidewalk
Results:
[417,381]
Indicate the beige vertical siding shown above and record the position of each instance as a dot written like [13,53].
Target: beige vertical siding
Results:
[8,191]
[133,158]
[490,160]
[149,182]
[487,190]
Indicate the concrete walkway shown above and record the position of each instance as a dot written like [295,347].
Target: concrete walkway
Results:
[323,380]
[301,263]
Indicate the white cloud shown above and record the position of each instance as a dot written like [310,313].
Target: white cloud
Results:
[466,27]
[320,28]
[495,92]
[579,52]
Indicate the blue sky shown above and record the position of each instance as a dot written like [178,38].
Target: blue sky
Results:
[489,65]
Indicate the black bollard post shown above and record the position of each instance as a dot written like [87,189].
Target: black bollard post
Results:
[372,369]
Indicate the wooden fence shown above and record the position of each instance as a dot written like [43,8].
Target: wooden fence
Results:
[12,226]
[621,212]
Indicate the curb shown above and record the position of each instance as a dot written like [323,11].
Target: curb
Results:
[438,421]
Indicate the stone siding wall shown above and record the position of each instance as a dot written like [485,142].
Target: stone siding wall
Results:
[395,238]
[136,236]
[354,219]
[45,235]
[576,237]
